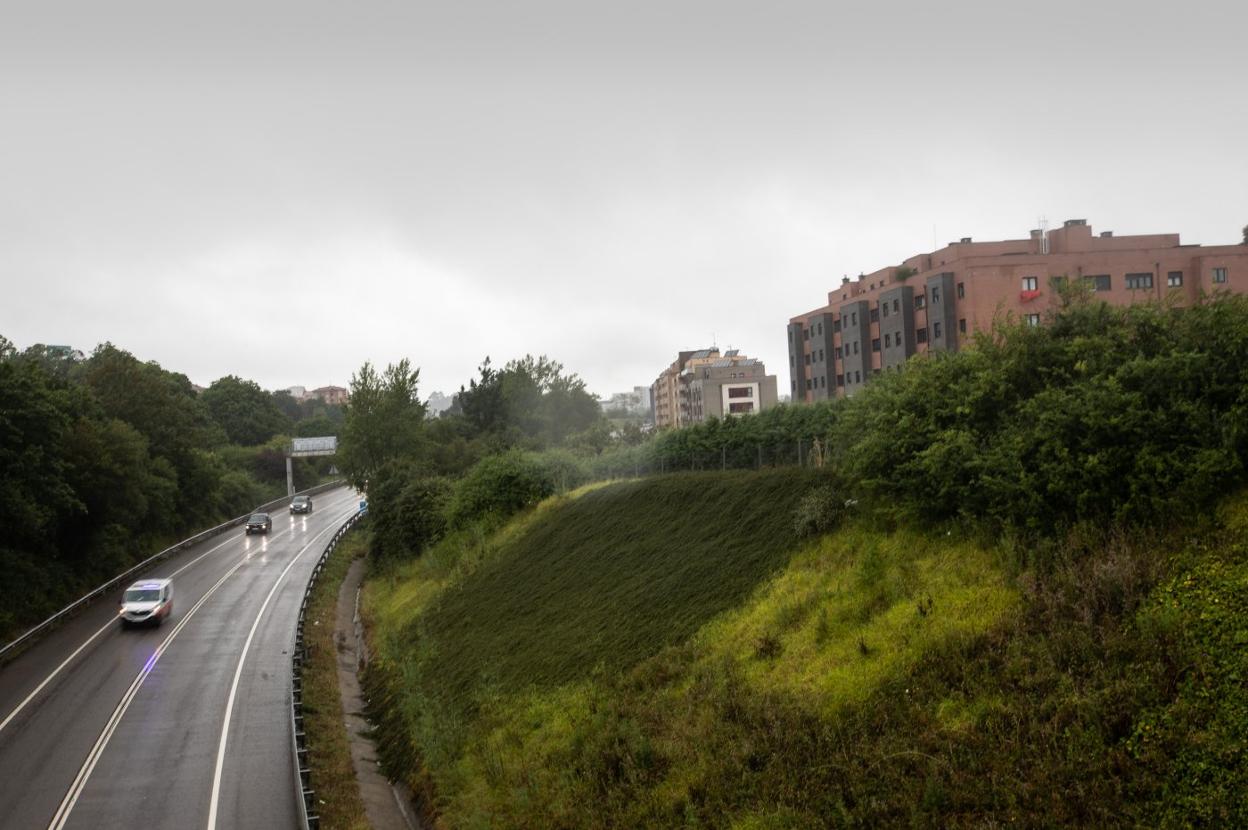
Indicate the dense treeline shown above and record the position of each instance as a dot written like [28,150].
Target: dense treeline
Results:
[503,446]
[104,460]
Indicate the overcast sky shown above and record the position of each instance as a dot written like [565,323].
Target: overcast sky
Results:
[284,190]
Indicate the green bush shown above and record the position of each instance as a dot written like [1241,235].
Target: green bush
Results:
[1108,414]
[819,511]
[503,484]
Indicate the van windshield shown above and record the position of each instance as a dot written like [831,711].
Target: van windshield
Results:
[143,595]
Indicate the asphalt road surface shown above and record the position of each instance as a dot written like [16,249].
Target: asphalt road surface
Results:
[181,726]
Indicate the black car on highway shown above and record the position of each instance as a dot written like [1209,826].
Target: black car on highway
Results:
[259,523]
[301,504]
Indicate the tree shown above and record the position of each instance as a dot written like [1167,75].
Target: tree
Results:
[530,401]
[248,415]
[287,404]
[34,425]
[383,420]
[165,410]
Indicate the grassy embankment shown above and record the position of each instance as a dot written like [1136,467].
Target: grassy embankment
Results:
[610,660]
[333,777]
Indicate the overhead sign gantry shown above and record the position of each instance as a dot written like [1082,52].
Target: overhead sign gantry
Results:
[306,448]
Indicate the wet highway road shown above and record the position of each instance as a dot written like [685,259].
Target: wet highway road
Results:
[102,727]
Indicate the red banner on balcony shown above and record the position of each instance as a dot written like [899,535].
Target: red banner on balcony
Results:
[1028,296]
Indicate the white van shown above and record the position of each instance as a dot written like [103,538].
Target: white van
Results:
[147,601]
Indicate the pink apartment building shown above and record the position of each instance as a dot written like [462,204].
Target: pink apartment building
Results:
[935,301]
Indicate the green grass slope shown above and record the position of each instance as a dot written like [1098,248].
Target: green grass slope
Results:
[606,661]
[610,578]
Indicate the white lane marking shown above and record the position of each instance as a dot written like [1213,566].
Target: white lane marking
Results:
[80,781]
[238,673]
[91,639]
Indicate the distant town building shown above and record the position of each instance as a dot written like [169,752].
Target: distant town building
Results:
[636,402]
[332,395]
[937,301]
[704,384]
[297,392]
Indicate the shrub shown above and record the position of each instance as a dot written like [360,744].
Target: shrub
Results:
[501,485]
[818,512]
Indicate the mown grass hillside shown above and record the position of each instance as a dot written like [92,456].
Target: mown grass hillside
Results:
[598,663]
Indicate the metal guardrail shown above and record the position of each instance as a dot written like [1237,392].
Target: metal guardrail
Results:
[12,649]
[308,817]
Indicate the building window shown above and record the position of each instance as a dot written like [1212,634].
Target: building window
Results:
[884,309]
[857,377]
[919,301]
[921,335]
[740,392]
[961,290]
[1058,282]
[936,330]
[1099,282]
[896,306]
[838,352]
[794,385]
[808,383]
[1031,284]
[935,294]
[888,341]
[962,325]
[836,325]
[821,359]
[1032,319]
[807,360]
[739,408]
[1219,275]
[855,347]
[875,344]
[853,318]
[875,315]
[1137,281]
[1174,279]
[821,328]
[840,380]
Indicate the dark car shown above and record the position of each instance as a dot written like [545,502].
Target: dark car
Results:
[259,523]
[301,504]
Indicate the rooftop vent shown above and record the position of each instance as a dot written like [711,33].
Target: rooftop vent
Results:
[845,280]
[966,239]
[1106,234]
[1071,223]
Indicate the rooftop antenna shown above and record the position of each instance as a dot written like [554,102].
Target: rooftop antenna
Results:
[1043,224]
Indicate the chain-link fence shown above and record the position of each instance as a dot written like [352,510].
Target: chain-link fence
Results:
[749,456]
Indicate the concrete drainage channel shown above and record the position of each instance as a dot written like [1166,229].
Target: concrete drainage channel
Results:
[308,817]
[12,649]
